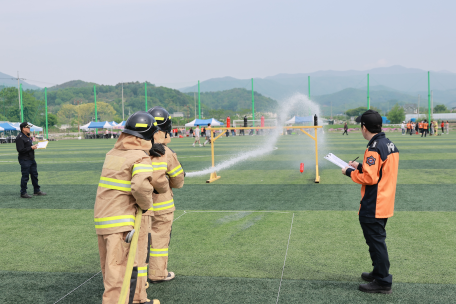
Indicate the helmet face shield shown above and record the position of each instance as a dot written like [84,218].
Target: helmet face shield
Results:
[141,124]
[162,118]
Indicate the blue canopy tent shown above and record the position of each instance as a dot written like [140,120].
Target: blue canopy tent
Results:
[97,125]
[7,127]
[100,125]
[203,122]
[385,120]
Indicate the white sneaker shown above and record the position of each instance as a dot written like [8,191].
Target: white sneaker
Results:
[193,145]
[201,145]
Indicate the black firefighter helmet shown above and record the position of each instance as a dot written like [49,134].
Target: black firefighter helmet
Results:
[163,119]
[141,124]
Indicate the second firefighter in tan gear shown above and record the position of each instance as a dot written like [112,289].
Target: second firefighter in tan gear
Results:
[166,169]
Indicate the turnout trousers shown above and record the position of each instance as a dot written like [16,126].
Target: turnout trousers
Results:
[29,168]
[161,236]
[375,235]
[113,259]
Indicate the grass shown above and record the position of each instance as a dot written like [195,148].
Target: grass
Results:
[49,243]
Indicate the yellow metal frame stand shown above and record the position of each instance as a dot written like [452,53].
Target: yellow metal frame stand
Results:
[213,177]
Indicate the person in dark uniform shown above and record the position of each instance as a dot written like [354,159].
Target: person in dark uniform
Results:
[378,176]
[25,147]
[245,126]
[345,129]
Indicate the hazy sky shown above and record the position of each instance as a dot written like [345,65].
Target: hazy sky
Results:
[175,43]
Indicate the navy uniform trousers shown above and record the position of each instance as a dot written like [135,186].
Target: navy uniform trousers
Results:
[28,167]
[375,235]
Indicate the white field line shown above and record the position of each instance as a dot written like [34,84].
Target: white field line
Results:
[216,211]
[179,216]
[77,287]
[284,261]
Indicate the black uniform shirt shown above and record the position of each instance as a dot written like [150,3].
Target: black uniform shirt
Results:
[24,147]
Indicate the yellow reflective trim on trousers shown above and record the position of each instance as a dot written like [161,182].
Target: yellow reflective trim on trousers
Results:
[114,221]
[115,184]
[172,171]
[163,205]
[142,271]
[177,173]
[158,252]
[138,168]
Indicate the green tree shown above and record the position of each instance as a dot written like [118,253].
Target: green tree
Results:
[396,114]
[360,110]
[441,109]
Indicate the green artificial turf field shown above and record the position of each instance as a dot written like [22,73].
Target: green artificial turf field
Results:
[230,238]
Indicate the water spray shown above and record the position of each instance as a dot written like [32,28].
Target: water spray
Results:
[294,103]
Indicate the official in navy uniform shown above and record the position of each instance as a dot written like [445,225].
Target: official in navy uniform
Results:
[25,147]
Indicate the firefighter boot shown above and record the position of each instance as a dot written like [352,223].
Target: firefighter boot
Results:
[367,276]
[374,287]
[170,276]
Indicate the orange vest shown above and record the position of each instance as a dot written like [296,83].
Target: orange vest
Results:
[425,125]
[409,126]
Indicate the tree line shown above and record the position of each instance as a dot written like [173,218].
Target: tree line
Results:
[73,103]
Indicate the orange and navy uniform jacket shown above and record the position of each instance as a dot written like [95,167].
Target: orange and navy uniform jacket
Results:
[425,125]
[409,126]
[378,176]
[420,125]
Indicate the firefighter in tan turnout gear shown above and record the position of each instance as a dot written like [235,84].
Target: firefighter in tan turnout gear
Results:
[168,169]
[124,187]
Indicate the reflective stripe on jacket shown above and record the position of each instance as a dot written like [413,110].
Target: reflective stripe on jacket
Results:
[125,184]
[166,169]
[378,176]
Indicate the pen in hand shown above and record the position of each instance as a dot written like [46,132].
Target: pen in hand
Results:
[355,159]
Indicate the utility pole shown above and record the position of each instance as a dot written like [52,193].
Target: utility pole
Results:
[308,87]
[199,101]
[253,107]
[432,103]
[429,97]
[194,97]
[419,97]
[332,109]
[145,92]
[19,91]
[46,110]
[368,96]
[78,101]
[123,106]
[22,107]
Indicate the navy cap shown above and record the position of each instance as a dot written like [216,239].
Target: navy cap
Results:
[25,125]
[372,120]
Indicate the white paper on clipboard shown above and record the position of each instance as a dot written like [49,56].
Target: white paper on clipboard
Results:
[337,161]
[42,144]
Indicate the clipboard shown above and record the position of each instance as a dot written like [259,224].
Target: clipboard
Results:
[42,144]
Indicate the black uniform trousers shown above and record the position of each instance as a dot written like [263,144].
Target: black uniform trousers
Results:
[28,167]
[375,235]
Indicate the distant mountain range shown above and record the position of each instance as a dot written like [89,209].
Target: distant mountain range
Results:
[407,83]
[10,81]
[336,90]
